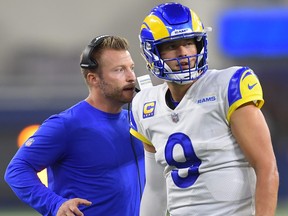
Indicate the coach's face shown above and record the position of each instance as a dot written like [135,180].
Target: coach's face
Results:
[117,77]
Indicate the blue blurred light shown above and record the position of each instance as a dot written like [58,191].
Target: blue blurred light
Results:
[254,32]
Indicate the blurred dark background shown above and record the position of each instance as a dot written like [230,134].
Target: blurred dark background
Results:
[40,45]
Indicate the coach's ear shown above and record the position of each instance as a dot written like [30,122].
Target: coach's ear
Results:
[93,78]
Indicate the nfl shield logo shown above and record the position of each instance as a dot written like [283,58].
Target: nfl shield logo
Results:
[175,117]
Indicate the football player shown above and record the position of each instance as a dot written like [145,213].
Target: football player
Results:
[208,146]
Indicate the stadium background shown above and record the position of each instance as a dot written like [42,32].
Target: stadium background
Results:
[40,45]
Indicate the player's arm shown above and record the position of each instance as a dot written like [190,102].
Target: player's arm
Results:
[250,129]
[154,200]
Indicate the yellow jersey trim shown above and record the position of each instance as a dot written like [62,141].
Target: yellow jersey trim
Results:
[140,136]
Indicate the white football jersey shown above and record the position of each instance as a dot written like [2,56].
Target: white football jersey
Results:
[206,172]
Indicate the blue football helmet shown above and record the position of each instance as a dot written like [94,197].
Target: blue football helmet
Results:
[168,22]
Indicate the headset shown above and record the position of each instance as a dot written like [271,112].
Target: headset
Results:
[87,61]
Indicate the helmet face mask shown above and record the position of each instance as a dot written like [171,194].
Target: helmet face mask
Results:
[170,22]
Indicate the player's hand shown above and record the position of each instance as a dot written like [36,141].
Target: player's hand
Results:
[70,207]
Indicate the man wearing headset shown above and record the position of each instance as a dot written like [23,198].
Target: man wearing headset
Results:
[95,167]
[208,150]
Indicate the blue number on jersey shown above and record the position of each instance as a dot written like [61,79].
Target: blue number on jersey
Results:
[192,162]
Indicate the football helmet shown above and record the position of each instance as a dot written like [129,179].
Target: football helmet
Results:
[168,22]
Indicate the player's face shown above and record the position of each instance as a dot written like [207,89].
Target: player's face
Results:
[117,79]
[179,49]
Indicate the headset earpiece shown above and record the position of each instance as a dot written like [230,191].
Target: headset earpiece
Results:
[87,61]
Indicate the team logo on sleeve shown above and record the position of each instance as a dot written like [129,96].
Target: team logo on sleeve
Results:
[148,109]
[29,142]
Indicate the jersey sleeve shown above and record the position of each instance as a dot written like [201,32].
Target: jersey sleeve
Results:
[38,152]
[135,125]
[134,131]
[244,87]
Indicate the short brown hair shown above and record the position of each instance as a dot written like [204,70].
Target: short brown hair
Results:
[109,42]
